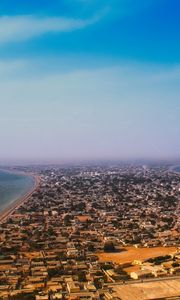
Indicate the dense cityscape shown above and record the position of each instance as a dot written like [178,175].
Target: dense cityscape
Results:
[91,233]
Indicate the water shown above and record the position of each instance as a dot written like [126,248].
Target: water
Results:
[13,186]
[177,169]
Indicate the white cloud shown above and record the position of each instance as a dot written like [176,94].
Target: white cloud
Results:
[23,27]
[12,68]
[120,8]
[19,28]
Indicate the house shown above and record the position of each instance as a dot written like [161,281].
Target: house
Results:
[42,297]
[73,287]
[141,274]
[57,296]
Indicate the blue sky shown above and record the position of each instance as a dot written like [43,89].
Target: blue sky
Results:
[89,79]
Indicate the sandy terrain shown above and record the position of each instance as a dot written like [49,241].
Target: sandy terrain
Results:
[84,219]
[148,291]
[132,269]
[133,253]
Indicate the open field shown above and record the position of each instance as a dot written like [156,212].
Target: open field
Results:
[149,290]
[133,253]
[84,219]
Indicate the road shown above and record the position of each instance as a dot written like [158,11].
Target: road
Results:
[144,280]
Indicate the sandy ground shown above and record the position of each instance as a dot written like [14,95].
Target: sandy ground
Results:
[132,269]
[83,219]
[133,253]
[148,291]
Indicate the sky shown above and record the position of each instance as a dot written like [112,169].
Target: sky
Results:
[89,80]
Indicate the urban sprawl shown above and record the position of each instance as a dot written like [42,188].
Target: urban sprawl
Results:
[91,233]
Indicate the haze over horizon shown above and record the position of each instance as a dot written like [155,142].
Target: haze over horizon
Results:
[89,79]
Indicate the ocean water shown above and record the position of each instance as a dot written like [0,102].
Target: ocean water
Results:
[177,169]
[13,186]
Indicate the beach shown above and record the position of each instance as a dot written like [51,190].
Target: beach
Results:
[175,169]
[8,211]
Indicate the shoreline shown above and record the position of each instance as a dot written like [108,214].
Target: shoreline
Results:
[9,210]
[173,169]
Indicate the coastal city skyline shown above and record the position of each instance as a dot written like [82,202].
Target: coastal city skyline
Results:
[89,150]
[90,232]
[89,80]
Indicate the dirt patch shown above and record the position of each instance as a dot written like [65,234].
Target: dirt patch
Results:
[132,269]
[84,219]
[133,253]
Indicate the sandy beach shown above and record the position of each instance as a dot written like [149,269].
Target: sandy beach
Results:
[8,211]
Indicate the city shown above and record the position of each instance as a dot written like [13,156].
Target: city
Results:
[89,150]
[86,232]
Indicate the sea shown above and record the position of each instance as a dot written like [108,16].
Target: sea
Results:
[177,169]
[12,187]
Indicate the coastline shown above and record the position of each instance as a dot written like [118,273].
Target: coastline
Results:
[8,211]
[173,169]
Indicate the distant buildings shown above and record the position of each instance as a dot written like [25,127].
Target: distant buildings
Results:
[49,246]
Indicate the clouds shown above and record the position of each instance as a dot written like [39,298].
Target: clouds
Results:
[76,15]
[22,28]
[120,8]
[12,69]
[73,95]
